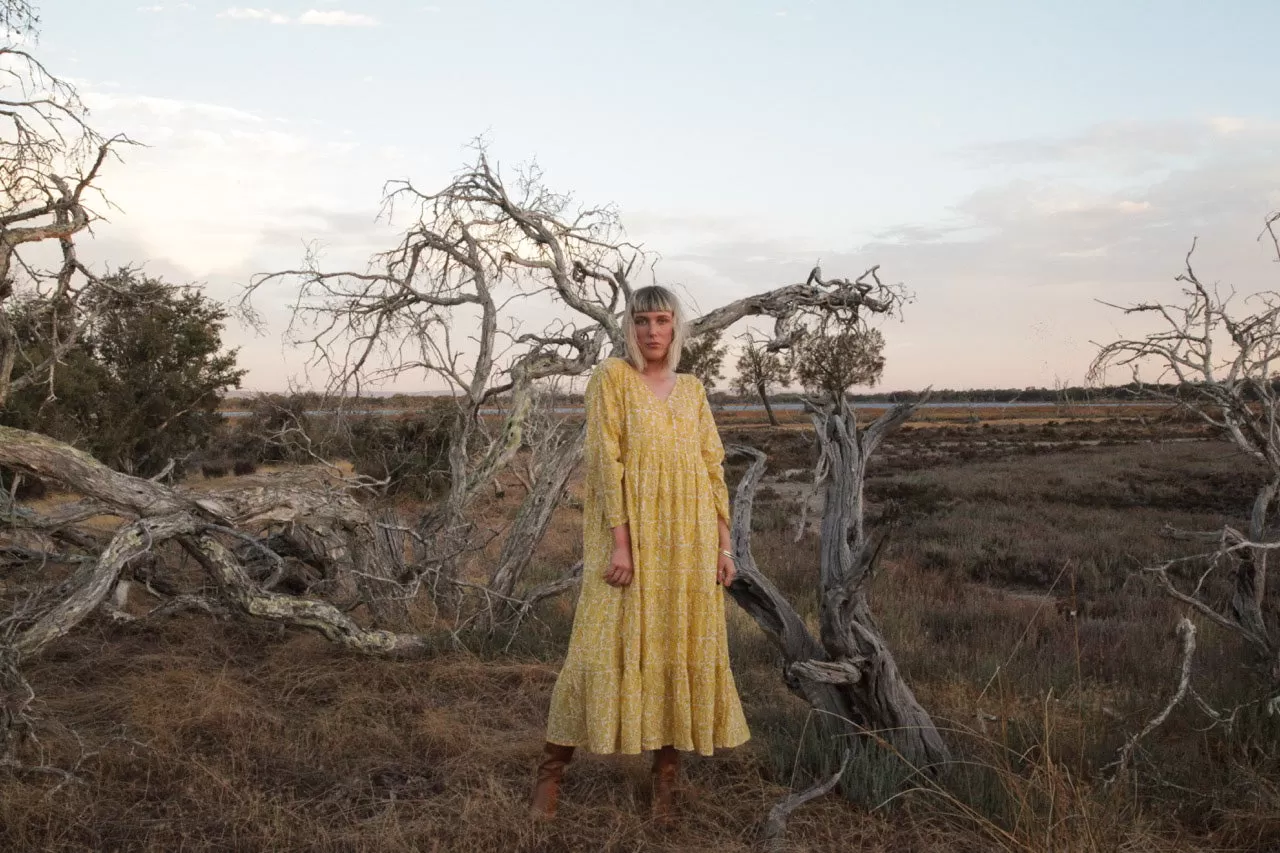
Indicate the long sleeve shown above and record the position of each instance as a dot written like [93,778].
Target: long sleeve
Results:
[713,456]
[603,448]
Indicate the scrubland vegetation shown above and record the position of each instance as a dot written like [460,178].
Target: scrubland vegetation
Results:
[1010,592]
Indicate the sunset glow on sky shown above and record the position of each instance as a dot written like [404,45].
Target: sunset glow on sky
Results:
[1011,163]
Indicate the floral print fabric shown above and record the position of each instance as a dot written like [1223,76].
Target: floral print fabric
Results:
[648,664]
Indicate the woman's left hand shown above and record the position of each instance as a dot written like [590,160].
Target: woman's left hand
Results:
[726,571]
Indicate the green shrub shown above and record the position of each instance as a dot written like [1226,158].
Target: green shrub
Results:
[142,383]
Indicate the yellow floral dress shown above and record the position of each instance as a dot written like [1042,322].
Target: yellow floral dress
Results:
[648,663]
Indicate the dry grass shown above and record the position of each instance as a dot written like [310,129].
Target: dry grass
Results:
[193,734]
[240,737]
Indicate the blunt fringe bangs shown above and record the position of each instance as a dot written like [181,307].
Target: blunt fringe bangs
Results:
[644,300]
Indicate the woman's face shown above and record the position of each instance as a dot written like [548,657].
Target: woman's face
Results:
[654,330]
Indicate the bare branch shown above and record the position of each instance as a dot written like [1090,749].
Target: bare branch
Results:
[50,161]
[775,827]
[1187,634]
[1222,361]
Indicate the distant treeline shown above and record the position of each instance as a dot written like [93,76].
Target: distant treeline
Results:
[1072,394]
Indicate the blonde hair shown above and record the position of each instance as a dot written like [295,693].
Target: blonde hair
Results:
[644,300]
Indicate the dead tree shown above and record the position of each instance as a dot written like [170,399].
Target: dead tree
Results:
[1217,362]
[848,672]
[546,426]
[224,531]
[50,160]
[208,525]
[443,303]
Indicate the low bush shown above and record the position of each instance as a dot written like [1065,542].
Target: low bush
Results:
[212,468]
[279,429]
[410,452]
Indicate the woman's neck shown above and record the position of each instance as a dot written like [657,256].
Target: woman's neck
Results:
[656,368]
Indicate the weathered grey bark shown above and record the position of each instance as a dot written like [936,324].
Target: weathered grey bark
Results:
[8,352]
[850,675]
[130,541]
[775,827]
[849,631]
[26,634]
[336,626]
[762,601]
[815,296]
[1251,575]
[1186,632]
[534,516]
[32,453]
[551,589]
[520,608]
[328,528]
[377,551]
[195,521]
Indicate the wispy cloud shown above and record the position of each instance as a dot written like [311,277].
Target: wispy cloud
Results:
[337,18]
[222,227]
[312,17]
[1128,146]
[236,13]
[1008,279]
[147,109]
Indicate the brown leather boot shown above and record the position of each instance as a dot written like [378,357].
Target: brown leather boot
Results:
[546,790]
[666,767]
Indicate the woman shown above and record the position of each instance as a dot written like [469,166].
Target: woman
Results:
[648,663]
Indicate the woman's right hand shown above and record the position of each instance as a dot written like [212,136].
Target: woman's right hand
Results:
[620,569]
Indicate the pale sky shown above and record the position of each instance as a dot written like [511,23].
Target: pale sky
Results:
[1009,162]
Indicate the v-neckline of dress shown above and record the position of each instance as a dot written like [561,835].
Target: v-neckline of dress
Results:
[662,401]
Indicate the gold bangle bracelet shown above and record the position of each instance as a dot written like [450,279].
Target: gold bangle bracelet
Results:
[729,554]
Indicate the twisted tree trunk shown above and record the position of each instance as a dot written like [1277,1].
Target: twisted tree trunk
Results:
[534,516]
[377,552]
[762,601]
[849,631]
[850,674]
